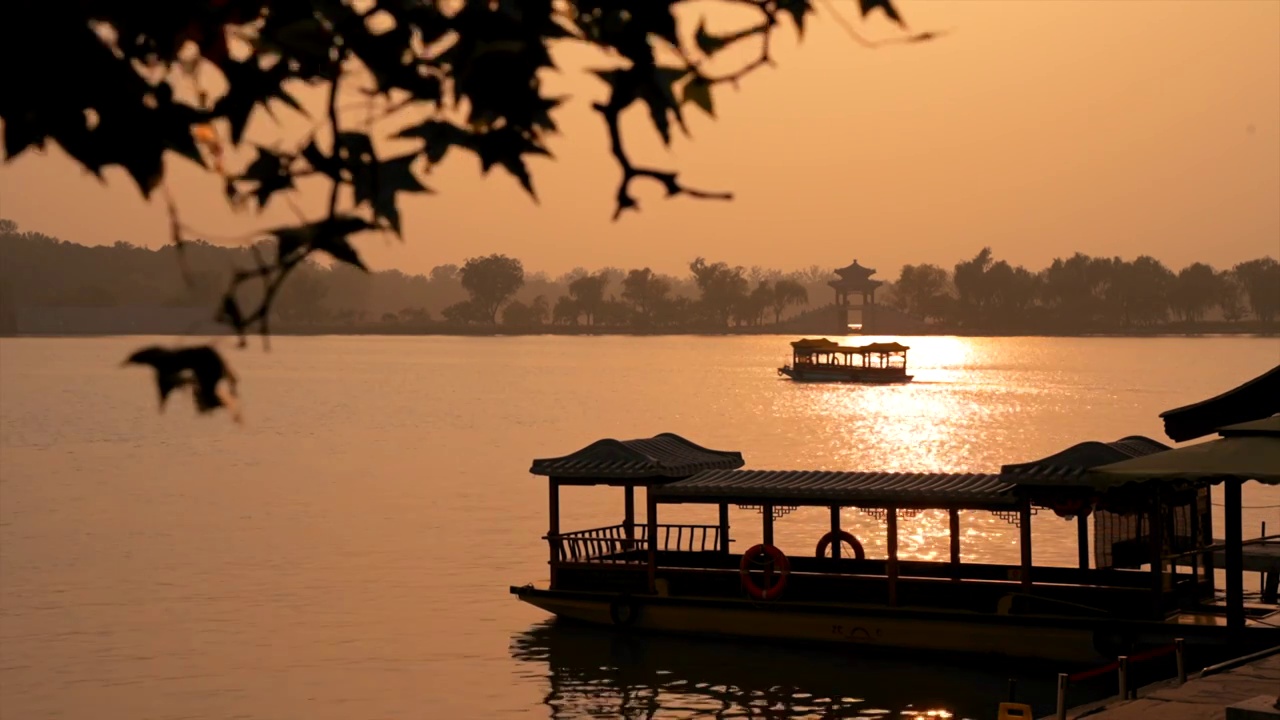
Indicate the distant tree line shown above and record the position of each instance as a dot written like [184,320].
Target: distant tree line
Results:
[980,295]
[1084,293]
[488,291]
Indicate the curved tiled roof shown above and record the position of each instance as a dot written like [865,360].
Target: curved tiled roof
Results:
[664,455]
[854,270]
[814,344]
[1069,466]
[820,487]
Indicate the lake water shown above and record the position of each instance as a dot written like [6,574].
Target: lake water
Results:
[347,552]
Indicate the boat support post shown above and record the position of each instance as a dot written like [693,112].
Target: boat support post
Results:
[891,566]
[953,518]
[724,528]
[1024,531]
[1082,540]
[629,514]
[1156,525]
[1231,502]
[651,520]
[553,528]
[835,531]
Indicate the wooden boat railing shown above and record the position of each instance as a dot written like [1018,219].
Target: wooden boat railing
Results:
[979,587]
[612,544]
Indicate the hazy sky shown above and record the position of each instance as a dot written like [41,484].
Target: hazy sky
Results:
[1038,127]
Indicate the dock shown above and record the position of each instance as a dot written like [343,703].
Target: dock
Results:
[1260,555]
[1231,690]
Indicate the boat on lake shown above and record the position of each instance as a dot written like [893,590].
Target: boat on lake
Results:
[823,360]
[1145,576]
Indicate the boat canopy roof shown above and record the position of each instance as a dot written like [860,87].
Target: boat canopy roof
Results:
[1247,451]
[889,347]
[1254,400]
[812,345]
[659,458]
[1070,468]
[861,489]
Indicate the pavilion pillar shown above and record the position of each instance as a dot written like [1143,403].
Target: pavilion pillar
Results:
[766,511]
[953,517]
[1234,539]
[835,530]
[891,564]
[1024,533]
[724,528]
[553,528]
[651,520]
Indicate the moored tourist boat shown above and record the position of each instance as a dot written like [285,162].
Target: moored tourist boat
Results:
[1129,593]
[823,360]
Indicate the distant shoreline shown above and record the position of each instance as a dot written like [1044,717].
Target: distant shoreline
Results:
[1208,331]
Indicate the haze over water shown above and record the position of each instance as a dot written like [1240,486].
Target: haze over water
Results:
[347,553]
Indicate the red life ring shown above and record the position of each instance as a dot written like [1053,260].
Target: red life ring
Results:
[830,537]
[777,561]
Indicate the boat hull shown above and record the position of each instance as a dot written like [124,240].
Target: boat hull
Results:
[851,375]
[1038,638]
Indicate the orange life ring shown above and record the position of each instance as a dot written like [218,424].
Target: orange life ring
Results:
[830,537]
[779,562]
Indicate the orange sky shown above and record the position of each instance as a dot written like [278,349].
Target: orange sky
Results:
[1039,127]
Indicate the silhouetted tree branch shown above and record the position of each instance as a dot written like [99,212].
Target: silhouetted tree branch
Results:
[119,84]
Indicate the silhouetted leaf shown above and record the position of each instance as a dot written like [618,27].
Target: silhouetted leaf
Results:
[885,5]
[270,173]
[392,176]
[660,96]
[200,368]
[698,91]
[328,235]
[176,121]
[709,44]
[354,149]
[506,147]
[305,37]
[117,137]
[339,248]
[439,136]
[320,162]
[20,134]
[798,9]
[247,86]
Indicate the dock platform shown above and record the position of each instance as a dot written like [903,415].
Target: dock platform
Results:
[1205,697]
[1260,555]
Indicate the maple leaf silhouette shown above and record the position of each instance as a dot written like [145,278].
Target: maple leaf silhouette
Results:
[200,368]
